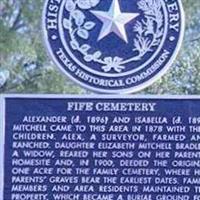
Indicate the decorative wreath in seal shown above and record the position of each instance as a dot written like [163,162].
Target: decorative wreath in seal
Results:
[149,32]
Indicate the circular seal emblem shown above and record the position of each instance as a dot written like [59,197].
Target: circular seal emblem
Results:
[113,46]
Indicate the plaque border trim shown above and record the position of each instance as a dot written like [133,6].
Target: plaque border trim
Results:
[2,143]
[3,97]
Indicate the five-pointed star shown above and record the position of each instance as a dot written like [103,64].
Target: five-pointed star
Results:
[114,21]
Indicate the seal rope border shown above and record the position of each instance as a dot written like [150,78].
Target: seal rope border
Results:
[129,90]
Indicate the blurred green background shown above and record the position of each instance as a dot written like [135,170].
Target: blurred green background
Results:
[26,68]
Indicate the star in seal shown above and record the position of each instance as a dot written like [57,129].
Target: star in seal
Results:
[113,46]
[114,21]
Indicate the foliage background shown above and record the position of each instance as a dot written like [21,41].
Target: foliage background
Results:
[25,67]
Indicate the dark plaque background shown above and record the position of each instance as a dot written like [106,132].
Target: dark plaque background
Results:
[104,148]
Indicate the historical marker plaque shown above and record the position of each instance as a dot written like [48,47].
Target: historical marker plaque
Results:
[101,148]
